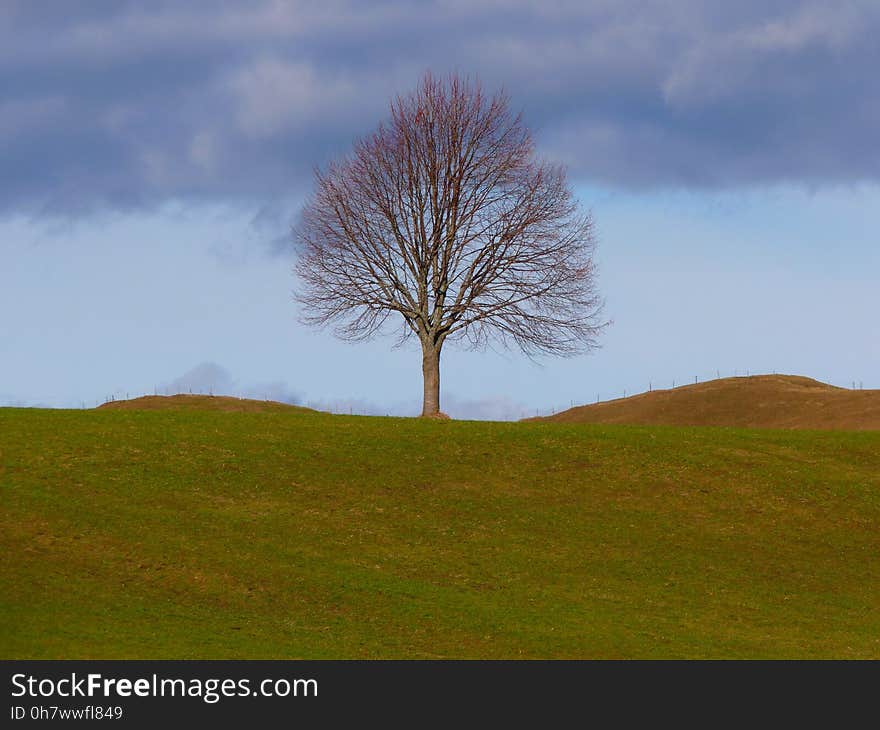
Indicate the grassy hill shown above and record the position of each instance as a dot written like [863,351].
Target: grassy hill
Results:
[759,401]
[204,534]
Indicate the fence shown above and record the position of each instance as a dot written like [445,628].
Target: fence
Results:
[601,396]
[604,396]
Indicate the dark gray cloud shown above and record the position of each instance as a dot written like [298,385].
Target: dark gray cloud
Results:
[126,104]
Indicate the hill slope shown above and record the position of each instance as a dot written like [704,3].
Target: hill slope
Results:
[759,401]
[199,534]
[184,401]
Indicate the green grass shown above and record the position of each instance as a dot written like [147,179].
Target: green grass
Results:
[129,534]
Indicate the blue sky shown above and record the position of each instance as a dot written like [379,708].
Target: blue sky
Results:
[152,160]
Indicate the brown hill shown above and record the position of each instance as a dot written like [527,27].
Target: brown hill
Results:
[200,403]
[759,401]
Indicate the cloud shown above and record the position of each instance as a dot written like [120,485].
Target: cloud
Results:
[8,400]
[211,378]
[498,408]
[362,407]
[273,96]
[208,377]
[120,106]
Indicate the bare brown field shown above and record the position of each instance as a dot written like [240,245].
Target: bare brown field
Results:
[184,401]
[759,401]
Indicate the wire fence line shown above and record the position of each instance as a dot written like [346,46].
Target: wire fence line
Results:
[605,396]
[120,395]
[344,407]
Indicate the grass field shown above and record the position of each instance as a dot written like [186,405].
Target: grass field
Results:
[289,534]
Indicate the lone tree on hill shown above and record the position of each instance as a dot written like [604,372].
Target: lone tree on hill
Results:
[444,218]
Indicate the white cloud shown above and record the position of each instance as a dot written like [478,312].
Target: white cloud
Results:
[828,25]
[273,95]
[204,150]
[212,379]
[493,408]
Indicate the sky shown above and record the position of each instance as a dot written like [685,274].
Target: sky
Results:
[153,157]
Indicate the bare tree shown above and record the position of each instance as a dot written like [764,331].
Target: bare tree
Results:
[444,219]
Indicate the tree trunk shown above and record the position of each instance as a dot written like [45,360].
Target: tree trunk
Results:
[431,375]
